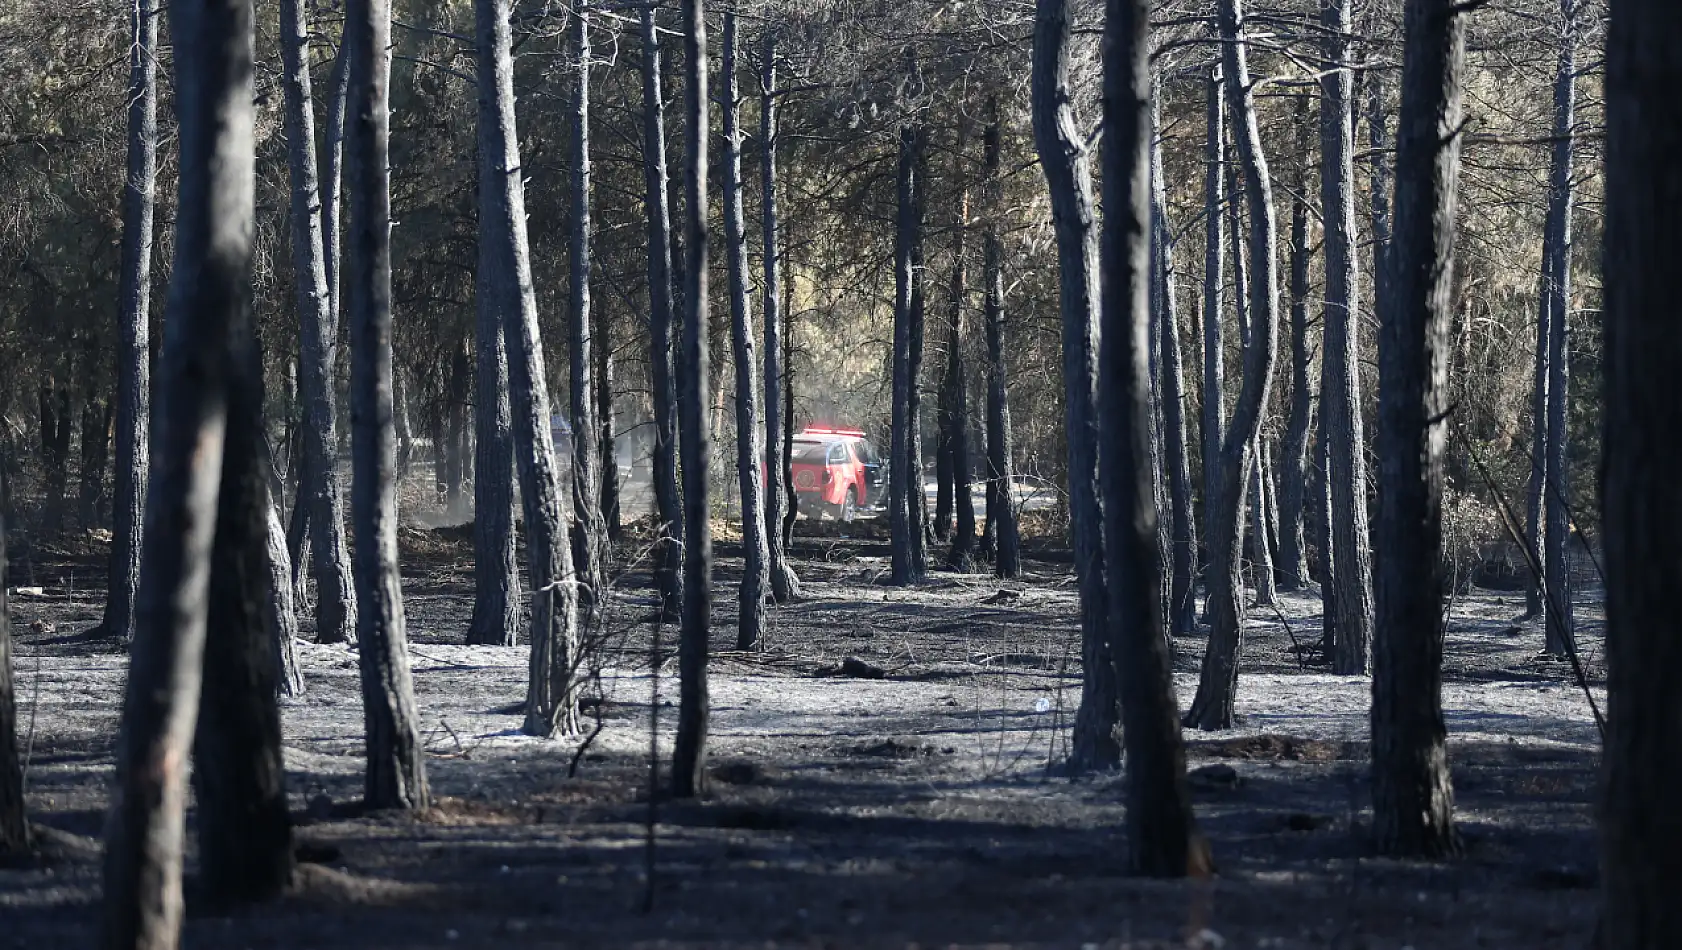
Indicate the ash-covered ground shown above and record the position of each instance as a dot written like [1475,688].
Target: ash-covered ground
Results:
[913,809]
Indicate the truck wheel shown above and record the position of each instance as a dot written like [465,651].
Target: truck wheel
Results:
[849,506]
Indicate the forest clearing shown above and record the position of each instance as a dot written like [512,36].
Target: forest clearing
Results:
[921,808]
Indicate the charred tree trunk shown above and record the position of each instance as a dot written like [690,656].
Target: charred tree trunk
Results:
[750,440]
[134,349]
[961,557]
[1413,795]
[1218,684]
[904,469]
[668,554]
[1068,172]
[552,696]
[1182,566]
[281,615]
[1293,450]
[689,756]
[1214,281]
[396,776]
[1162,836]
[1641,499]
[14,820]
[608,440]
[320,493]
[586,465]
[1340,385]
[209,322]
[496,578]
[1001,485]
[1560,638]
[239,780]
[922,532]
[785,585]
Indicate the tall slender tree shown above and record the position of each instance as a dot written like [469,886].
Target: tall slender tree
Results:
[553,683]
[1293,447]
[1559,638]
[1001,494]
[396,775]
[1162,836]
[1066,162]
[1413,796]
[689,755]
[1214,284]
[1641,500]
[668,553]
[1176,454]
[14,821]
[319,492]
[962,554]
[134,352]
[1340,386]
[591,541]
[1218,685]
[209,313]
[905,485]
[785,584]
[750,438]
[496,578]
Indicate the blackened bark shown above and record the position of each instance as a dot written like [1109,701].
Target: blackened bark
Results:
[1413,795]
[239,779]
[668,554]
[14,821]
[96,451]
[496,578]
[1068,173]
[904,471]
[1218,684]
[454,409]
[1162,836]
[962,555]
[396,775]
[1641,501]
[1176,452]
[1001,493]
[750,438]
[1340,385]
[1214,280]
[689,756]
[586,463]
[1560,638]
[320,493]
[922,521]
[608,450]
[281,616]
[1261,534]
[209,304]
[785,585]
[134,349]
[553,683]
[1293,449]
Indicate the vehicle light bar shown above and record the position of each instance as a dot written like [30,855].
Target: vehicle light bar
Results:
[830,430]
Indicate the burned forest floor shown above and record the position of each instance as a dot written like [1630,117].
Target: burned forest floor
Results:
[909,797]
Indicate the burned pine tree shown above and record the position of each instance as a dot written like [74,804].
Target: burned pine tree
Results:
[396,767]
[1340,385]
[668,503]
[689,756]
[750,447]
[134,397]
[1413,795]
[590,543]
[14,820]
[1162,836]
[785,584]
[1065,160]
[1641,501]
[319,492]
[955,414]
[1176,450]
[1001,494]
[905,484]
[1218,685]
